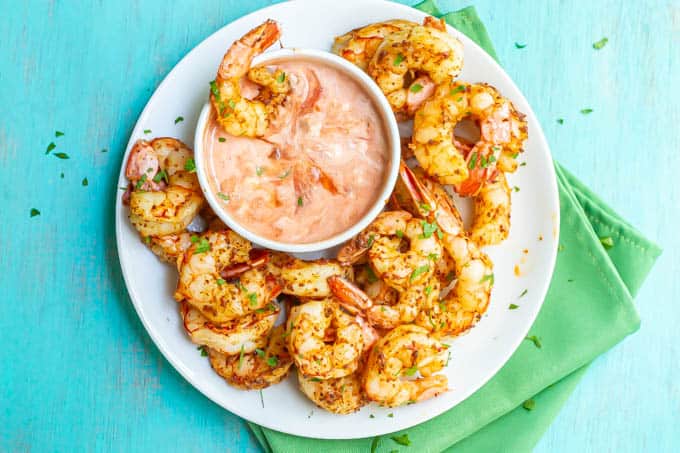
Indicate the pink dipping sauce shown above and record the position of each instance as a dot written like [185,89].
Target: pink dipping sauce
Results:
[319,168]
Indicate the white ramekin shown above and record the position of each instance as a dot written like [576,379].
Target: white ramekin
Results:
[381,198]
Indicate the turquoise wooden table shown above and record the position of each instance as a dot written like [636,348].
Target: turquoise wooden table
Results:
[78,370]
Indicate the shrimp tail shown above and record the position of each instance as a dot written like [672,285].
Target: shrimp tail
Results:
[351,296]
[252,43]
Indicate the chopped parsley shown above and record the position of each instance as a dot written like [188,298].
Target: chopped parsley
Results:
[252,297]
[524,293]
[161,175]
[600,44]
[281,78]
[560,120]
[402,440]
[535,340]
[221,281]
[416,87]
[473,161]
[190,165]
[34,212]
[231,103]
[62,177]
[58,133]
[428,290]
[607,242]
[515,188]
[223,196]
[428,228]
[520,46]
[411,371]
[529,404]
[202,244]
[50,147]
[371,239]
[285,174]
[586,111]
[418,271]
[147,131]
[204,351]
[425,207]
[262,399]
[61,155]
[458,89]
[179,119]
[259,170]
[513,307]
[433,257]
[240,358]
[299,201]
[488,278]
[273,361]
[390,415]
[400,234]
[221,139]
[398,59]
[370,416]
[259,352]
[315,379]
[140,182]
[84,182]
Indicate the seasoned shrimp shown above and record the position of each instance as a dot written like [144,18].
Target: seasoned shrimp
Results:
[382,240]
[359,45]
[241,335]
[503,131]
[465,303]
[421,49]
[169,247]
[391,374]
[258,369]
[325,341]
[310,278]
[342,395]
[235,113]
[491,223]
[165,195]
[207,270]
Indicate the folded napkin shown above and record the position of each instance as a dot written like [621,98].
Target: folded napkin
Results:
[588,309]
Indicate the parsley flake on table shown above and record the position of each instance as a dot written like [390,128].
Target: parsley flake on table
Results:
[513,307]
[104,150]
[535,340]
[560,120]
[586,111]
[34,212]
[529,404]
[58,133]
[62,176]
[179,119]
[600,44]
[520,46]
[402,440]
[61,155]
[416,87]
[50,147]
[84,182]
[607,242]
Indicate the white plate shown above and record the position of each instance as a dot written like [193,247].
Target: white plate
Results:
[476,357]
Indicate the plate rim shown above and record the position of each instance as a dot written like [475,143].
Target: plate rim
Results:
[538,134]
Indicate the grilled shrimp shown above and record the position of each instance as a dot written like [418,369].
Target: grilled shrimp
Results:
[165,195]
[423,50]
[241,335]
[401,366]
[465,303]
[359,45]
[491,223]
[236,114]
[503,132]
[325,341]
[342,395]
[170,246]
[258,369]
[382,241]
[206,277]
[310,278]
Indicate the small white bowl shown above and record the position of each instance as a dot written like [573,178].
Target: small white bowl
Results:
[311,248]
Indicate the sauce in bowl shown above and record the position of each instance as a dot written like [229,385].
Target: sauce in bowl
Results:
[320,166]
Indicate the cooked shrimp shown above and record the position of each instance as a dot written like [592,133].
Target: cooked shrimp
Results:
[241,335]
[342,395]
[325,341]
[206,272]
[310,278]
[359,45]
[258,369]
[421,49]
[491,224]
[502,134]
[169,247]
[391,374]
[465,303]
[165,195]
[236,114]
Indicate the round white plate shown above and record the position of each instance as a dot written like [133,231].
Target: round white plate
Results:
[475,357]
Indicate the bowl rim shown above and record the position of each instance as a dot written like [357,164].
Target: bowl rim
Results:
[394,144]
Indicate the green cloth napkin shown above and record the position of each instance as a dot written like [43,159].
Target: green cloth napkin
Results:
[588,309]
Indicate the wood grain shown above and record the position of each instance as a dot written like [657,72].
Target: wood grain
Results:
[78,370]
